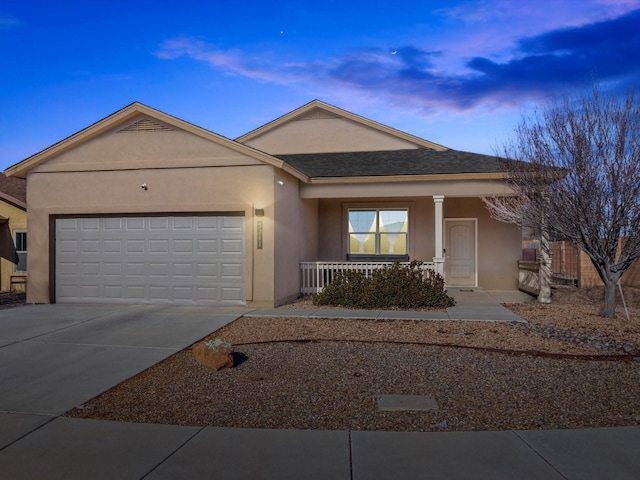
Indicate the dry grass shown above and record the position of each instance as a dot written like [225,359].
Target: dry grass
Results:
[567,368]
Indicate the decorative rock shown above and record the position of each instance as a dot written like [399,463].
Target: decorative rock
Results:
[216,354]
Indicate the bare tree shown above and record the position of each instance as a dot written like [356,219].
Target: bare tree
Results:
[575,169]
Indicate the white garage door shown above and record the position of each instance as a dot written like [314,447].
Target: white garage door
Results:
[175,259]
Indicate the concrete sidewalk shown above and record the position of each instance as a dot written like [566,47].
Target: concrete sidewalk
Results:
[472,304]
[69,448]
[56,357]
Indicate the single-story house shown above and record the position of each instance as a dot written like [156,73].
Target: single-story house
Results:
[144,207]
[13,234]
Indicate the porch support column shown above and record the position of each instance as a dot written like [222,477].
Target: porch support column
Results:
[438,260]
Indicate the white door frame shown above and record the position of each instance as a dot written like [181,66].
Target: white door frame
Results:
[475,233]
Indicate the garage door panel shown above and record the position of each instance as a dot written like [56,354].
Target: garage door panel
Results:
[196,259]
[159,246]
[113,291]
[232,246]
[182,246]
[90,290]
[90,268]
[232,270]
[90,246]
[158,269]
[182,271]
[134,224]
[113,224]
[135,246]
[68,246]
[112,246]
[64,224]
[159,224]
[231,294]
[89,224]
[207,270]
[207,246]
[159,293]
[208,223]
[182,223]
[112,269]
[233,223]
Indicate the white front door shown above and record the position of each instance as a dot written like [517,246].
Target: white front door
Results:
[460,252]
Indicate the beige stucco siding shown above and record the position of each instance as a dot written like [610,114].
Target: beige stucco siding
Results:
[326,135]
[287,241]
[115,150]
[448,188]
[190,190]
[296,236]
[499,244]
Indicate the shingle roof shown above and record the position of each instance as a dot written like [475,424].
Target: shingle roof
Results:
[394,162]
[13,187]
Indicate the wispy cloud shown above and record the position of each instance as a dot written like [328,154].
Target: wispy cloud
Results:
[538,65]
[263,67]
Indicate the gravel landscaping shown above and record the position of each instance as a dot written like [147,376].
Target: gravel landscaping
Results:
[566,368]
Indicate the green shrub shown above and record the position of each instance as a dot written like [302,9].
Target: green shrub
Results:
[395,286]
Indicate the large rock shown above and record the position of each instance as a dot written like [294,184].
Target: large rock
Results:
[215,354]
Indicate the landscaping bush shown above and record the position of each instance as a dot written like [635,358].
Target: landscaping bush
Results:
[395,286]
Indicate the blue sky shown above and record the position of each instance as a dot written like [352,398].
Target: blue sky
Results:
[458,73]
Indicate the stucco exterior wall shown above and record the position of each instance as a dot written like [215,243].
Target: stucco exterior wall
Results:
[499,244]
[17,221]
[314,135]
[413,189]
[296,236]
[287,242]
[115,150]
[184,190]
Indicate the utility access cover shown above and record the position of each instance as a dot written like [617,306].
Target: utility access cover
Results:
[407,402]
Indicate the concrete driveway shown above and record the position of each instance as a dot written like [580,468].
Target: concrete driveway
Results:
[55,357]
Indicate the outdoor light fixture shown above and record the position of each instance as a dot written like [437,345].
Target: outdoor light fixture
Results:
[259,212]
[280,182]
[143,186]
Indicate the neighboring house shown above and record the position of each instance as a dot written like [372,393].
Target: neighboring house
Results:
[13,233]
[144,207]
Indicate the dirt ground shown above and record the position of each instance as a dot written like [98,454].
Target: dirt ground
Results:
[566,368]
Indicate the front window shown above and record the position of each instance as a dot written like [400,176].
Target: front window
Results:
[381,232]
[21,250]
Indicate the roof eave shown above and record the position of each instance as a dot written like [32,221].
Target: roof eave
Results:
[410,178]
[13,201]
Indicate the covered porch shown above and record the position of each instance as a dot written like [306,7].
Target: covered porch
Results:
[453,236]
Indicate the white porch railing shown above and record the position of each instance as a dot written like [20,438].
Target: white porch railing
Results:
[315,275]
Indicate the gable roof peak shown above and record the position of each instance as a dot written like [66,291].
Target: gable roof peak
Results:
[153,119]
[309,111]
